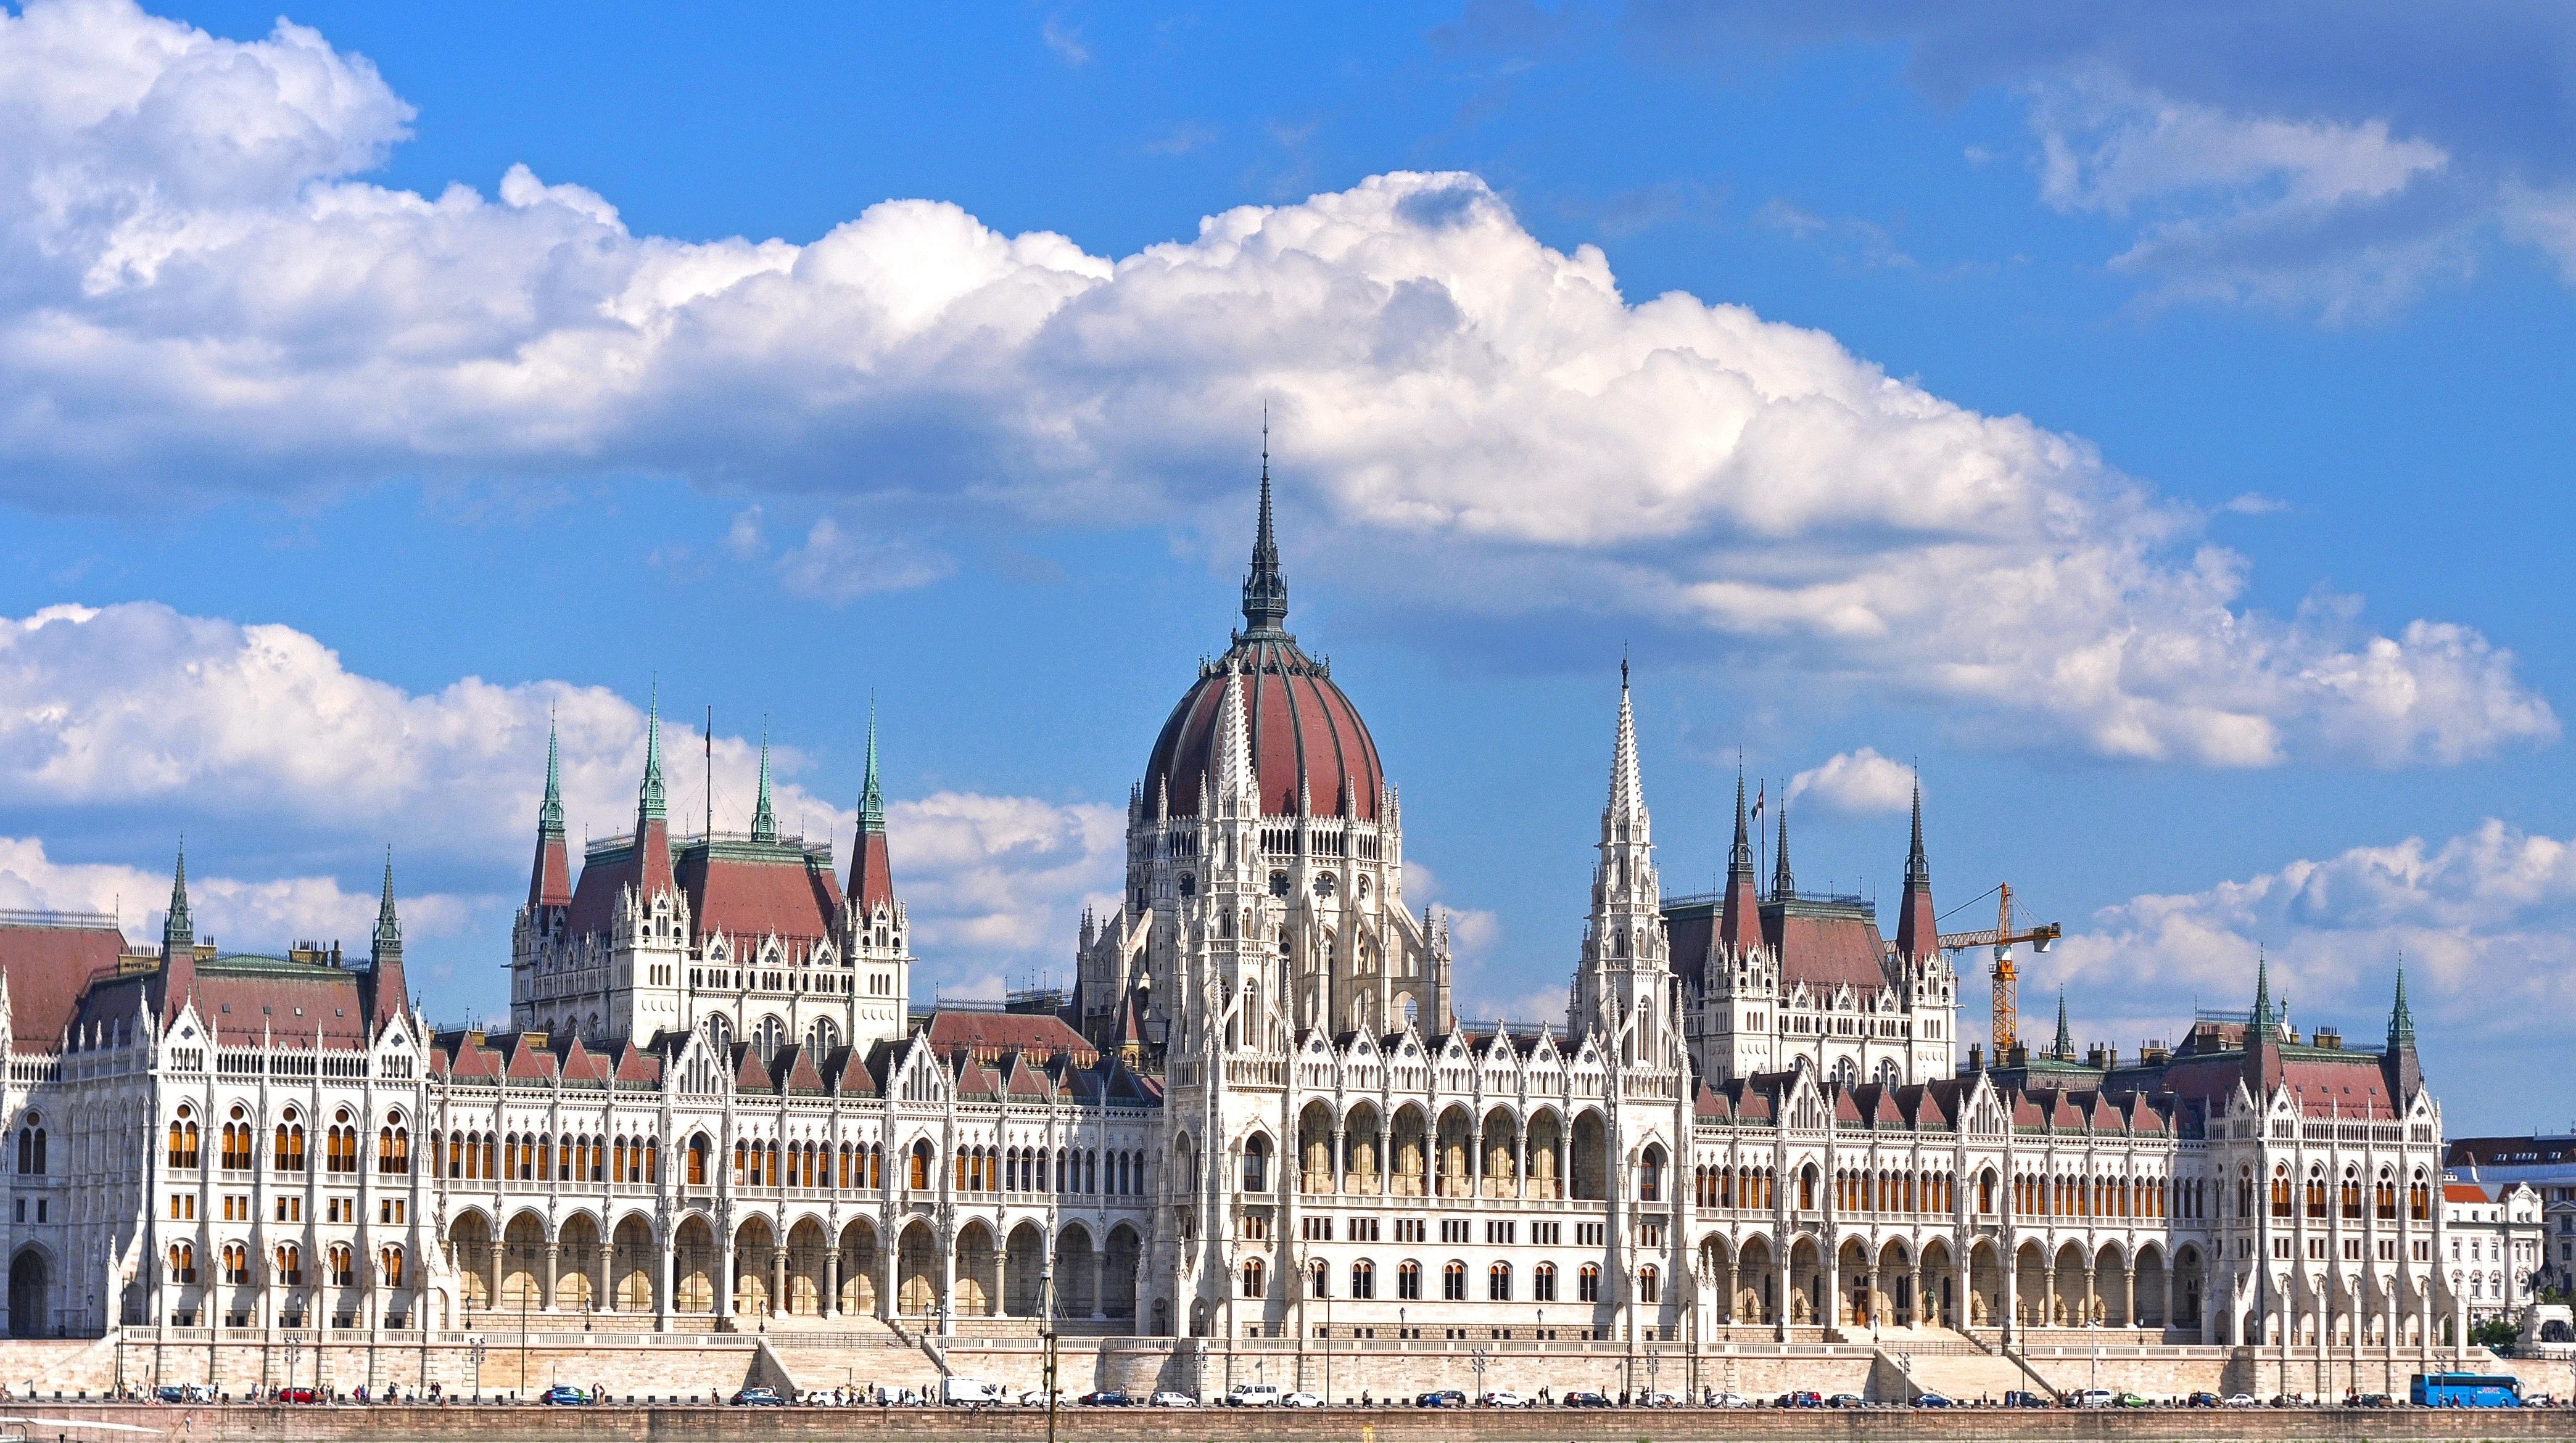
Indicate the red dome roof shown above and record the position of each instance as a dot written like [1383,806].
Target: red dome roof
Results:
[1303,730]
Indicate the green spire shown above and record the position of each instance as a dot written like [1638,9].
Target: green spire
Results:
[1783,887]
[1265,590]
[2064,1046]
[764,822]
[649,804]
[2401,1021]
[871,798]
[177,928]
[2263,1022]
[550,814]
[388,926]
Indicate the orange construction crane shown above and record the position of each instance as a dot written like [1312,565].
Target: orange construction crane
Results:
[2007,1030]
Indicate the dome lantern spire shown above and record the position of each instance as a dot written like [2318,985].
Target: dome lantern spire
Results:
[1265,590]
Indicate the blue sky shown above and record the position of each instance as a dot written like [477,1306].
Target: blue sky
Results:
[2149,421]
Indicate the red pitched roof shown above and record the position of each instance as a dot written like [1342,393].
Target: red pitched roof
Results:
[2347,1089]
[1041,1034]
[48,968]
[787,893]
[1827,952]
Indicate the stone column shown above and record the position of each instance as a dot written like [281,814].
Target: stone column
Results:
[2129,1295]
[1829,1268]
[554,1266]
[777,1275]
[724,1276]
[2007,1293]
[1520,1149]
[608,1277]
[946,1301]
[832,1281]
[665,1249]
[889,1268]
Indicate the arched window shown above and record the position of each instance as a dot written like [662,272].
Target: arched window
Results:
[389,1266]
[344,1269]
[2317,1192]
[1252,1278]
[1543,1283]
[290,1266]
[698,1150]
[1363,1279]
[1650,1175]
[1587,1284]
[183,1262]
[236,1265]
[768,1037]
[1319,1279]
[2280,1191]
[289,1152]
[920,1180]
[1498,1283]
[1453,1282]
[183,1138]
[1649,1285]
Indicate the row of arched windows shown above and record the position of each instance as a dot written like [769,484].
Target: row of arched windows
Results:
[341,1259]
[1896,1192]
[1499,1282]
[343,1143]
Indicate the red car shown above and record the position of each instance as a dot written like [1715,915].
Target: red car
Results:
[298,1395]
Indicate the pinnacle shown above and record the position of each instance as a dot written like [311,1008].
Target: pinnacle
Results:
[871,796]
[1627,789]
[764,821]
[1783,886]
[550,812]
[649,803]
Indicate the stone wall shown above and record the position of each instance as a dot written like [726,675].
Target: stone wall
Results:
[1126,1425]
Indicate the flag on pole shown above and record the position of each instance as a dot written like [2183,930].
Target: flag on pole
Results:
[1759,790]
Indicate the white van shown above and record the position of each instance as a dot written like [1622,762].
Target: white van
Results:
[2089,1398]
[1253,1395]
[958,1391]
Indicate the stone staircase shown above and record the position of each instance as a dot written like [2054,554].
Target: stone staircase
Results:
[1958,1366]
[867,1354]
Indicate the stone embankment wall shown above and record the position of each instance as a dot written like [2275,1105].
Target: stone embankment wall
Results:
[274,1424]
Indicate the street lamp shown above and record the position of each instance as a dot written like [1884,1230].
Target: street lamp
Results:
[1477,1361]
[474,1354]
[294,1350]
[1654,1365]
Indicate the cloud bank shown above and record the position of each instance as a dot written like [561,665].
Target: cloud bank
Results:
[223,729]
[203,300]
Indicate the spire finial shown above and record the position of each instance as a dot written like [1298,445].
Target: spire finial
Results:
[764,821]
[1627,789]
[1783,886]
[177,928]
[1265,590]
[1739,858]
[2064,1046]
[2263,1021]
[649,803]
[550,813]
[388,925]
[871,797]
[1918,868]
[2401,1019]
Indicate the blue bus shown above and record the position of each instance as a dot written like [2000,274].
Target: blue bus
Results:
[2466,1390]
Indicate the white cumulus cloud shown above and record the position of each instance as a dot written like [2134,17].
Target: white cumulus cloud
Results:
[231,912]
[1860,782]
[204,299]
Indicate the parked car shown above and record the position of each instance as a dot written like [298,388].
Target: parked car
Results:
[759,1398]
[2131,1400]
[1809,1399]
[564,1395]
[2381,1400]
[184,1393]
[1252,1395]
[2019,1398]
[1441,1398]
[1932,1400]
[1504,1398]
[2242,1400]
[1302,1400]
[1106,1398]
[2090,1398]
[1571,1400]
[1846,1400]
[1730,1400]
[1037,1398]
[1659,1400]
[1167,1399]
[298,1395]
[2202,1399]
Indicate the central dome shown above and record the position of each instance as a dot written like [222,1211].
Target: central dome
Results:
[1305,735]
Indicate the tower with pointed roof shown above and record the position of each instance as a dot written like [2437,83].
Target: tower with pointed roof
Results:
[2405,1069]
[880,932]
[1623,984]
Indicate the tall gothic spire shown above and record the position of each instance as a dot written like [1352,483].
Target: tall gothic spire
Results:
[764,821]
[1783,886]
[1627,790]
[1739,922]
[649,802]
[2064,1045]
[1739,857]
[2401,1019]
[2263,1022]
[1918,927]
[177,928]
[871,796]
[1918,868]
[550,812]
[1265,590]
[388,937]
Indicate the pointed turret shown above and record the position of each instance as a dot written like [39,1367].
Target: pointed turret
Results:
[178,929]
[1624,962]
[2405,1070]
[2063,1048]
[550,877]
[764,821]
[1265,590]
[652,820]
[388,938]
[1783,885]
[1918,927]
[1231,781]
[1739,922]
[383,988]
[1627,790]
[2263,1033]
[871,871]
